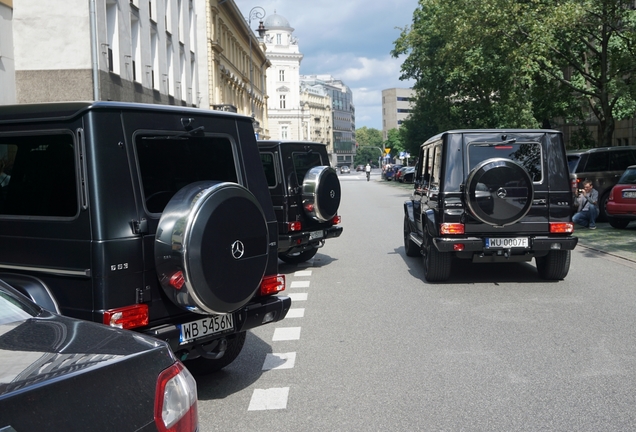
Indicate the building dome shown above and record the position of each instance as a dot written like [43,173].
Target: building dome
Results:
[277,22]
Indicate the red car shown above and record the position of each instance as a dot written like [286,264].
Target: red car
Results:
[621,204]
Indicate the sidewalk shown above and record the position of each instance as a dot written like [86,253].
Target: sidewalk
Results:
[617,242]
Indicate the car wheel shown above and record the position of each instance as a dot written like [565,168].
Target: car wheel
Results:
[602,209]
[437,265]
[211,247]
[204,366]
[321,193]
[410,247]
[555,265]
[499,192]
[298,258]
[618,223]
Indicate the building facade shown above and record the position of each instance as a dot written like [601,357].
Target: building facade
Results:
[124,50]
[232,62]
[283,80]
[396,107]
[316,115]
[7,61]
[343,116]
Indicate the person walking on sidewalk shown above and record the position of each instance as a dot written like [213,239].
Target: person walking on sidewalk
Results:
[588,206]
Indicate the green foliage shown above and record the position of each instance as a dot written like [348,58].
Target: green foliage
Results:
[520,64]
[365,154]
[368,137]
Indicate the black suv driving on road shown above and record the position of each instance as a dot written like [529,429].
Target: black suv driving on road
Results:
[147,217]
[491,196]
[305,191]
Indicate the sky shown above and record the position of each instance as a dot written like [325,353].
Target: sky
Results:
[350,40]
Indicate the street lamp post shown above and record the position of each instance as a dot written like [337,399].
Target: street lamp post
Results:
[258,13]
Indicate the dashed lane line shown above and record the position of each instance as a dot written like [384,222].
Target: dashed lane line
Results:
[286,334]
[269,399]
[296,297]
[299,284]
[279,361]
[295,313]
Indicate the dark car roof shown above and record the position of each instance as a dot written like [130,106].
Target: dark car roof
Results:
[469,131]
[599,149]
[66,110]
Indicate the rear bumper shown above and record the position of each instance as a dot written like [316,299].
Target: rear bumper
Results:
[303,238]
[618,210]
[245,318]
[476,244]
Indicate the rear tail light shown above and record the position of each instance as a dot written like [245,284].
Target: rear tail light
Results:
[451,228]
[294,226]
[561,227]
[176,400]
[272,284]
[336,220]
[177,280]
[574,183]
[458,247]
[127,317]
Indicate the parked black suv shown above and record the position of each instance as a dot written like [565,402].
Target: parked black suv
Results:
[491,196]
[147,217]
[603,166]
[306,194]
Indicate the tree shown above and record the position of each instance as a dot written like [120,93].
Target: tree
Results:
[522,63]
[368,137]
[394,142]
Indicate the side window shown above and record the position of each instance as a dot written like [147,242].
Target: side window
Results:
[597,162]
[437,164]
[267,159]
[38,175]
[620,160]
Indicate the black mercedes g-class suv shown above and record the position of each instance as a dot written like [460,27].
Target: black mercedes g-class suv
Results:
[147,217]
[305,191]
[491,196]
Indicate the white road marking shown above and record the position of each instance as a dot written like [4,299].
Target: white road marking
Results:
[269,399]
[286,334]
[297,296]
[299,284]
[302,273]
[295,313]
[279,361]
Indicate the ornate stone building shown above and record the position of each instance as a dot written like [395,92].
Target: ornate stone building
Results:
[232,62]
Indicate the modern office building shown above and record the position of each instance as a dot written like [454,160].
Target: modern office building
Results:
[343,116]
[396,107]
[133,50]
[231,61]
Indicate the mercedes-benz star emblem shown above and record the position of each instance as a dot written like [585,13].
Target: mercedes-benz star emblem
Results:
[501,193]
[238,249]
[332,194]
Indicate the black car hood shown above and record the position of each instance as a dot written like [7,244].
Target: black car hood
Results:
[44,348]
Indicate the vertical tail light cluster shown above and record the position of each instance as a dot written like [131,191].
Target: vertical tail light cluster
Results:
[176,400]
[272,284]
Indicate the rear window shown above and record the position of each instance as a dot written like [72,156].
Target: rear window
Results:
[37,175]
[628,177]
[167,163]
[573,161]
[526,154]
[267,159]
[304,161]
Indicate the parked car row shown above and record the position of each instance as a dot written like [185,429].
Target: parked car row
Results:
[621,202]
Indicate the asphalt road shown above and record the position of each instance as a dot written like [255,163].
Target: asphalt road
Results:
[376,348]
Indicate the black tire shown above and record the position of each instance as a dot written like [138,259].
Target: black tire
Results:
[555,265]
[602,208]
[618,223]
[499,192]
[211,247]
[410,247]
[204,366]
[299,257]
[437,265]
[321,193]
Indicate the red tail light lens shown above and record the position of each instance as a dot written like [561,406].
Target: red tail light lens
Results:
[294,226]
[561,227]
[176,400]
[451,228]
[336,220]
[127,317]
[272,284]
[177,280]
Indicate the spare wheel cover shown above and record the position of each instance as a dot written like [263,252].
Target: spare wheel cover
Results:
[499,192]
[321,193]
[216,235]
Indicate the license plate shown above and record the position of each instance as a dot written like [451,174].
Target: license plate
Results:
[204,327]
[629,194]
[506,243]
[315,235]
